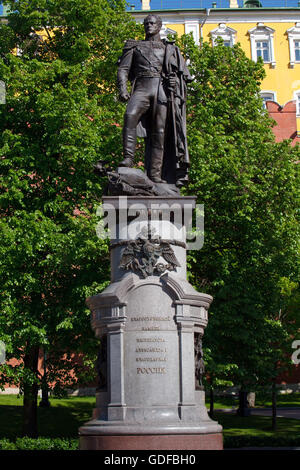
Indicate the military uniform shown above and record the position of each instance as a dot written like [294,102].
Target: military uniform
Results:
[147,65]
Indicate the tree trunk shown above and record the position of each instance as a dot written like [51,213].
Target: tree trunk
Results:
[211,402]
[29,425]
[45,403]
[243,409]
[274,406]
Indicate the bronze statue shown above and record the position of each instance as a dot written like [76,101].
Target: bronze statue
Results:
[156,107]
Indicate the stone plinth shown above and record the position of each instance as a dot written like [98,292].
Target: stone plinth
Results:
[149,320]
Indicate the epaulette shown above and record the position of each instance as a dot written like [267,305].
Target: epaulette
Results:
[130,43]
[167,41]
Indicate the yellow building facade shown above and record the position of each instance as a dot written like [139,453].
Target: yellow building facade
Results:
[272,33]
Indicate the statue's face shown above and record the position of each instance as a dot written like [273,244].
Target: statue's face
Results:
[152,26]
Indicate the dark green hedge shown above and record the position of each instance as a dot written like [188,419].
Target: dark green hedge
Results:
[234,442]
[42,443]
[230,442]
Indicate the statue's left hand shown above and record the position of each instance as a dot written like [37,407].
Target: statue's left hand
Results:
[172,82]
[124,96]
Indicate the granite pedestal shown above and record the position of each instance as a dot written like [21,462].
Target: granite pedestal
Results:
[148,321]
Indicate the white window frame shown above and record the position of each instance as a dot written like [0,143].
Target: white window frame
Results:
[165,31]
[297,99]
[268,92]
[293,35]
[193,27]
[297,49]
[263,47]
[262,33]
[224,32]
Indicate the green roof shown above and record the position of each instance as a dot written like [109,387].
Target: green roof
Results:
[177,10]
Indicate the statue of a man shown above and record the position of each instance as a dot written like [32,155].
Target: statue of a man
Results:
[156,107]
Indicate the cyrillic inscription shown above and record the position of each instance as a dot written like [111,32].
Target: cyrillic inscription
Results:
[150,328]
[151,370]
[151,359]
[151,354]
[154,318]
[151,350]
[159,350]
[151,340]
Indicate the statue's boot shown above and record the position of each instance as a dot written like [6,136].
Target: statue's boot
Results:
[182,176]
[157,154]
[129,144]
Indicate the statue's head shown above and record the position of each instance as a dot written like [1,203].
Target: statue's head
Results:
[152,25]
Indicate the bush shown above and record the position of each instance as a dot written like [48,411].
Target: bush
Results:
[230,442]
[5,444]
[42,443]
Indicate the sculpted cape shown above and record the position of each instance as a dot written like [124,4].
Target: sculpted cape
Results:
[176,157]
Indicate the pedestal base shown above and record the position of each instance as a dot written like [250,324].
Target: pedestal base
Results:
[153,442]
[150,321]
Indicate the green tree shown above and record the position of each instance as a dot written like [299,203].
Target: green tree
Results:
[288,317]
[58,60]
[250,188]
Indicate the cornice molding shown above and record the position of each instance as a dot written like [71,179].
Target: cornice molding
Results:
[218,15]
[225,32]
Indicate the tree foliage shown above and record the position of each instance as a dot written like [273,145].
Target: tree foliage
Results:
[58,60]
[250,188]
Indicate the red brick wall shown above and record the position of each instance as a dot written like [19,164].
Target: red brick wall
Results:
[285,117]
[291,377]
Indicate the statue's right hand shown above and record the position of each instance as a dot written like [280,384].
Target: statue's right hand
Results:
[124,96]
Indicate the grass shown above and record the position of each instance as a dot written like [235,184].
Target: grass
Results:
[66,415]
[223,402]
[234,425]
[62,419]
[283,401]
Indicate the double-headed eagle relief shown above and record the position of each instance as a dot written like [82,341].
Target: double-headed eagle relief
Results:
[142,255]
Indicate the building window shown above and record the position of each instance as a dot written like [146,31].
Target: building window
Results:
[165,32]
[227,34]
[297,99]
[263,50]
[192,27]
[262,44]
[297,51]
[294,44]
[267,96]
